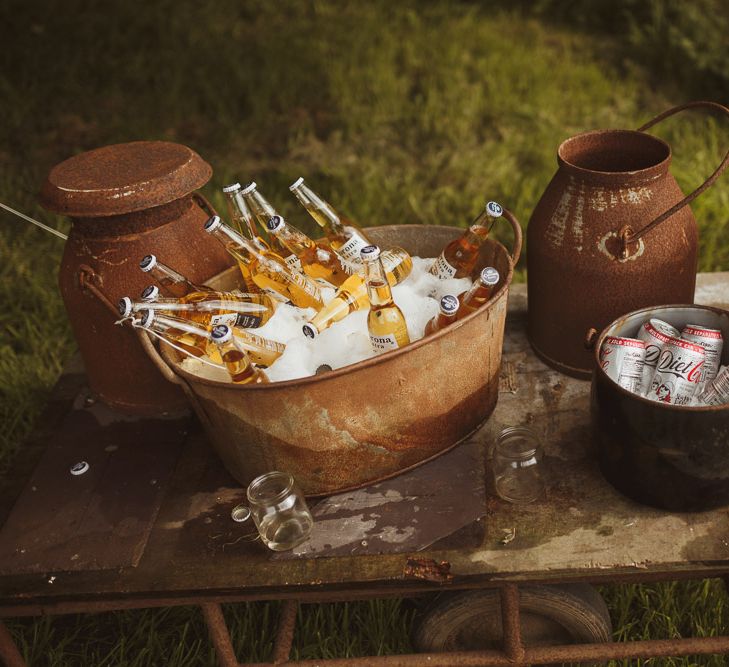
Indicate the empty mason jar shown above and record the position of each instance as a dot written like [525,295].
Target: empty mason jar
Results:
[279,511]
[517,476]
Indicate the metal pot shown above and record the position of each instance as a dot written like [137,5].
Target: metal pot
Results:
[668,456]
[126,201]
[611,233]
[371,420]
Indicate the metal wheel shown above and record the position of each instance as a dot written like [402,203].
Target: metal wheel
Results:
[550,615]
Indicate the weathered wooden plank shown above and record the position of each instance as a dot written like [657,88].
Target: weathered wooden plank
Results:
[102,518]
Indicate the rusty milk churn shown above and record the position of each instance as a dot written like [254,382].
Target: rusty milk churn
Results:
[126,201]
[611,234]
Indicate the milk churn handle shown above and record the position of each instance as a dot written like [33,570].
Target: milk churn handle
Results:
[516,227]
[629,236]
[87,280]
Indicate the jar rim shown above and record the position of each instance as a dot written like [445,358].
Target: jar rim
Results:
[256,489]
[515,433]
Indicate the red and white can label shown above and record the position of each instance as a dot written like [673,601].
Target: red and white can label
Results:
[655,334]
[623,359]
[712,341]
[717,393]
[678,372]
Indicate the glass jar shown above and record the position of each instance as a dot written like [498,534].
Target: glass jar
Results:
[516,469]
[279,511]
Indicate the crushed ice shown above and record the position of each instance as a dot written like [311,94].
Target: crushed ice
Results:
[345,342]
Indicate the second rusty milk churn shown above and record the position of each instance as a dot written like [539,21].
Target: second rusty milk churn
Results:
[126,201]
[611,234]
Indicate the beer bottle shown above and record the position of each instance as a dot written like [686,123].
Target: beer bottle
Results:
[460,255]
[316,259]
[480,292]
[263,211]
[343,235]
[352,293]
[236,360]
[171,283]
[235,308]
[447,315]
[240,214]
[189,336]
[385,322]
[267,270]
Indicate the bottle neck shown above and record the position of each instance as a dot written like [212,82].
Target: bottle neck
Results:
[240,212]
[378,289]
[237,244]
[295,240]
[319,209]
[166,325]
[260,207]
[172,282]
[483,223]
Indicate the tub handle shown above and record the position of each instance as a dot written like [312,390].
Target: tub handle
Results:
[627,235]
[151,349]
[590,338]
[516,228]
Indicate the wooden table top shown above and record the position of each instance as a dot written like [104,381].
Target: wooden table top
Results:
[152,524]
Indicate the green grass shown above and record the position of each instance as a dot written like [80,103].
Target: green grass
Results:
[407,112]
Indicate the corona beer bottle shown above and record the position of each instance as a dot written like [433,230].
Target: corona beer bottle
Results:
[318,261]
[385,321]
[171,283]
[460,255]
[241,216]
[268,271]
[249,311]
[480,292]
[236,360]
[189,336]
[352,294]
[447,315]
[343,235]
[263,212]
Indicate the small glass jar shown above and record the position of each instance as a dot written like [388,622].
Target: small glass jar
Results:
[517,476]
[279,511]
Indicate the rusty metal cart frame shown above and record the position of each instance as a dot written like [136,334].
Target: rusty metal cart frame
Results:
[169,557]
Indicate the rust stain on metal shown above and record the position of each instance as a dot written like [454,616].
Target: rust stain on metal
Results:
[126,201]
[612,233]
[369,421]
[428,570]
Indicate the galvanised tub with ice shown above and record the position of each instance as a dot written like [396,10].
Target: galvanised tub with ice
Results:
[371,420]
[675,457]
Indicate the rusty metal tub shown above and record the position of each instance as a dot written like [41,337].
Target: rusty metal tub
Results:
[370,420]
[669,456]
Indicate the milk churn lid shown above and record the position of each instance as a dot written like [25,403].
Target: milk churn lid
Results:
[123,178]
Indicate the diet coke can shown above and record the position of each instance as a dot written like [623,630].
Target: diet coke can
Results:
[717,393]
[655,334]
[678,372]
[712,341]
[622,359]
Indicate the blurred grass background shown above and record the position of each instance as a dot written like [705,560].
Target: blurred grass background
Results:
[395,112]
